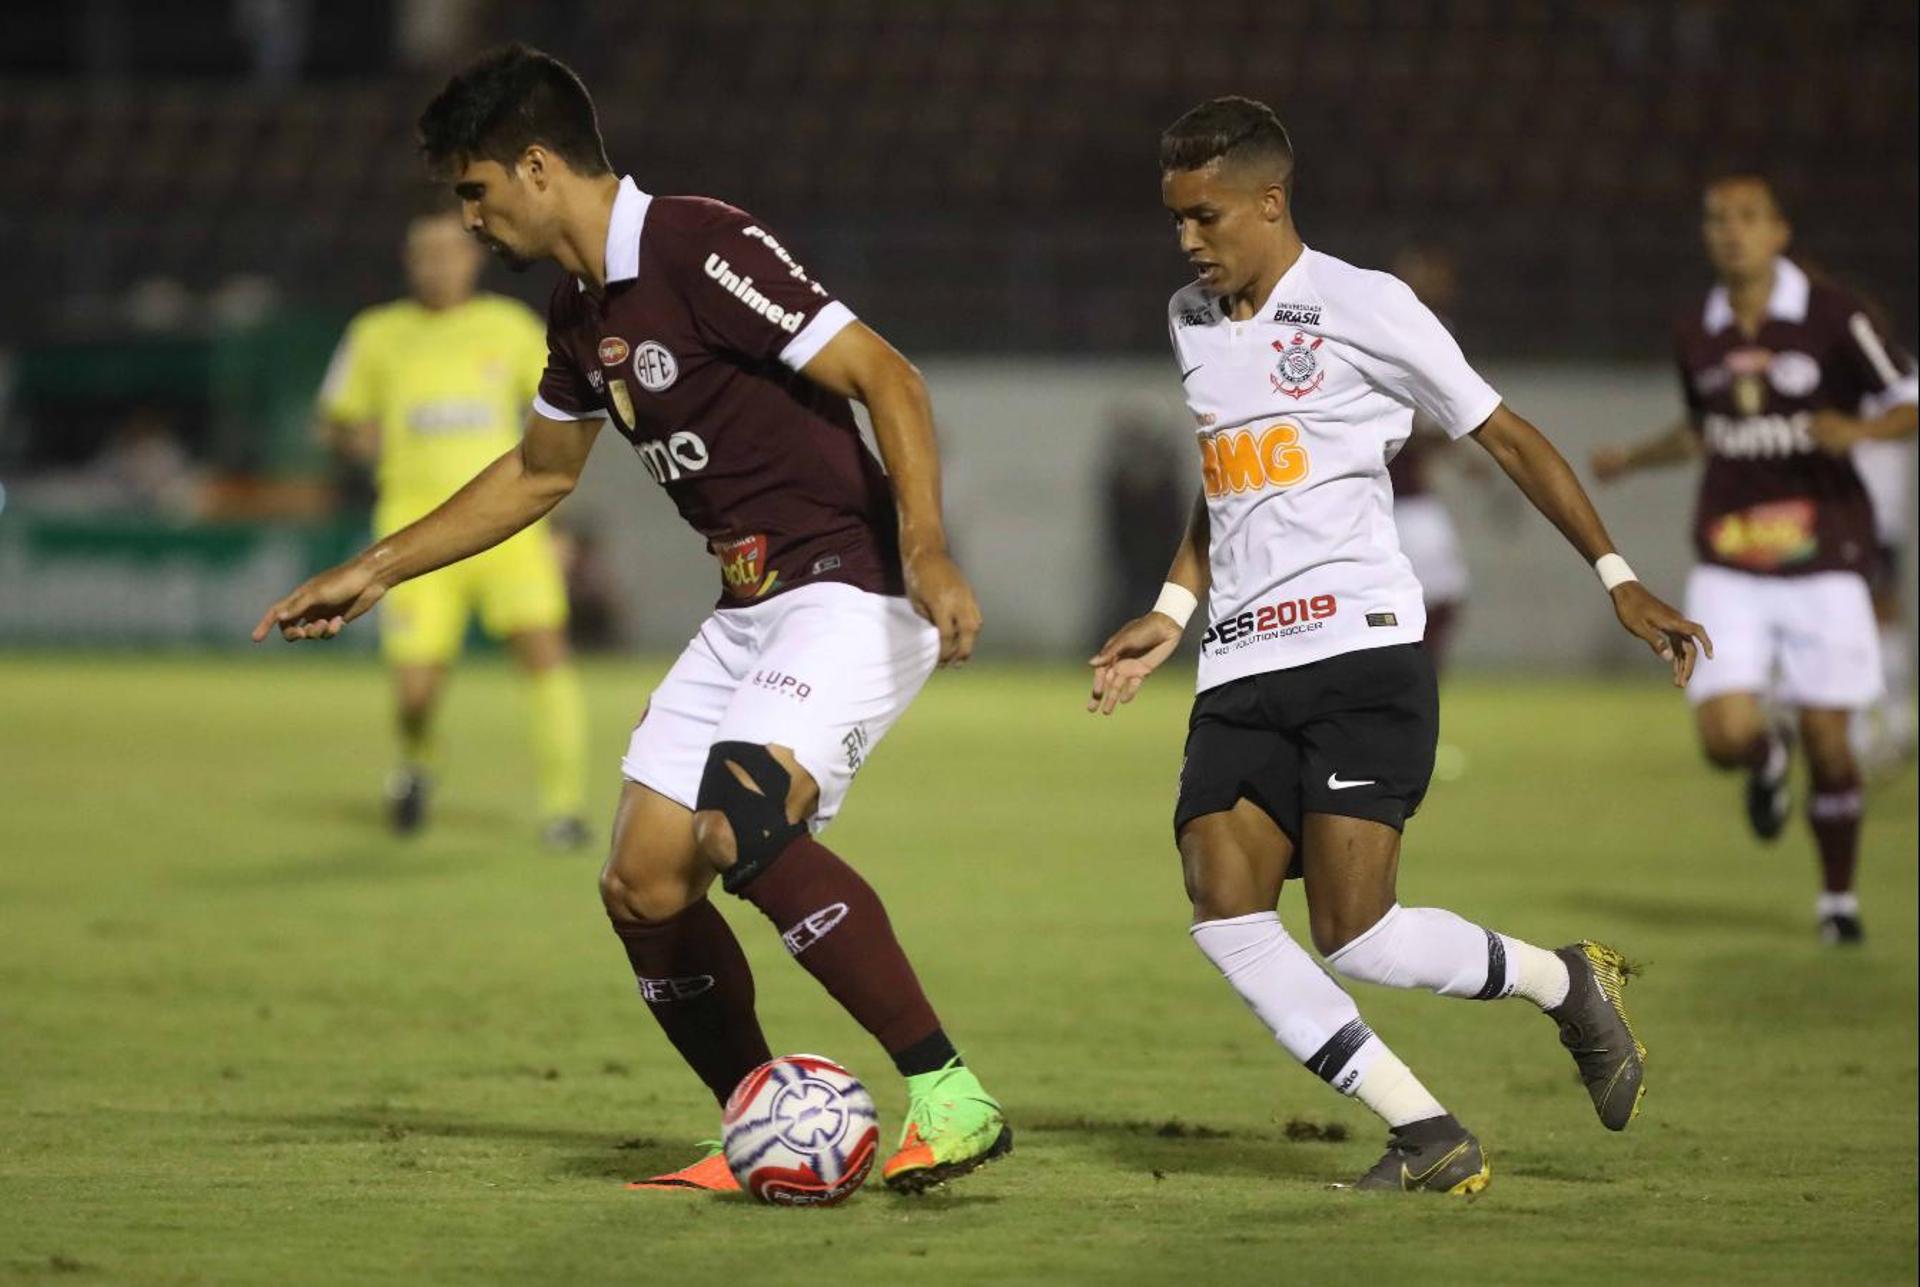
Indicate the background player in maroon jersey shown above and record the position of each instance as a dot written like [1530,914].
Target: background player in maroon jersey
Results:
[1782,373]
[729,371]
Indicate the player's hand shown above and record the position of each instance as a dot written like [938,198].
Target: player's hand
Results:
[321,608]
[1124,661]
[939,592]
[1610,464]
[1835,432]
[1672,637]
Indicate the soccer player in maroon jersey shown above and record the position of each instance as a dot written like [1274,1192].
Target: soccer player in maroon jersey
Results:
[1783,373]
[730,372]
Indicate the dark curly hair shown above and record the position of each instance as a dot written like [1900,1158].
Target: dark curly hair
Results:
[506,102]
[1238,129]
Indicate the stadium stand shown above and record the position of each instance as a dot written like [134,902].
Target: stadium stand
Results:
[979,174]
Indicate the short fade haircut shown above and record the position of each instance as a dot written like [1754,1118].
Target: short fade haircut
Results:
[1234,129]
[506,102]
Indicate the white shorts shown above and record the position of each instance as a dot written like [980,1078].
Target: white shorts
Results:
[1428,540]
[824,671]
[1806,640]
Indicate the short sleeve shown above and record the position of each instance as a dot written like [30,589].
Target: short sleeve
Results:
[348,391]
[1886,375]
[1409,353]
[750,296]
[562,391]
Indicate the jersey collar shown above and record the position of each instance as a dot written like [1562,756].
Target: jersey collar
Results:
[623,232]
[1787,302]
[1289,279]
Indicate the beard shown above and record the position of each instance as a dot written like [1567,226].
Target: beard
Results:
[515,262]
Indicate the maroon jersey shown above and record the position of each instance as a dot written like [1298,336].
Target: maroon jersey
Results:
[1771,501]
[694,353]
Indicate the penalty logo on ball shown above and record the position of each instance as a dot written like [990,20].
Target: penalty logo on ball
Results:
[800,1131]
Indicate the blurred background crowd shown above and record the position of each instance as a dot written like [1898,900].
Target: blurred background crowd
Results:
[200,194]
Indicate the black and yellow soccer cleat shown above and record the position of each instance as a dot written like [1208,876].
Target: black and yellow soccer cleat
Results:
[1595,1030]
[1437,1155]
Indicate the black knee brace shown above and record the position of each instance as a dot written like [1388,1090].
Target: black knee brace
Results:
[759,821]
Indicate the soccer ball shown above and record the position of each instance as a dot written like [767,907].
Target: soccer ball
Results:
[800,1131]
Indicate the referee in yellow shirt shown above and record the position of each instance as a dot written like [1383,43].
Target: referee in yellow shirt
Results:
[429,390]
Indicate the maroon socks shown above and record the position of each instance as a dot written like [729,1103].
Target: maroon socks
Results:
[695,979]
[1834,811]
[835,927]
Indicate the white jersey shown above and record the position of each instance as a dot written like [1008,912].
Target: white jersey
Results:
[1886,468]
[1299,409]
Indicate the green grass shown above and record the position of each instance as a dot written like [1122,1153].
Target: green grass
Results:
[244,1036]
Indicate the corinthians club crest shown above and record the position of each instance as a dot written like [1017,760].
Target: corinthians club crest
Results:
[1298,372]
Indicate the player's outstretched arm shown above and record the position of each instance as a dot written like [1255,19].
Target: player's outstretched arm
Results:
[1836,431]
[1673,446]
[857,363]
[1540,471]
[503,498]
[1137,648]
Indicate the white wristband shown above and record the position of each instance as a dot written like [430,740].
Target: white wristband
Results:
[1613,571]
[1176,601]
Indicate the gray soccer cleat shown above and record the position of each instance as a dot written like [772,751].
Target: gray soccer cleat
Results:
[1595,1031]
[1437,1155]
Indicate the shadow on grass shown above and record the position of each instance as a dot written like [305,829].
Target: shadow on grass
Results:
[366,815]
[638,1159]
[1667,913]
[1161,1148]
[359,1125]
[357,865]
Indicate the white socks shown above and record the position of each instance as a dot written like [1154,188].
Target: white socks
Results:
[1309,1014]
[1429,947]
[1826,905]
[1390,1089]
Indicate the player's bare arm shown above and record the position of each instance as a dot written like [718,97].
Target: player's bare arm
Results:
[1138,648]
[509,495]
[1543,474]
[1836,432]
[857,363]
[1674,445]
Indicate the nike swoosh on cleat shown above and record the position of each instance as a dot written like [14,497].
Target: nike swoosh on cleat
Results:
[1408,1180]
[1190,370]
[1335,784]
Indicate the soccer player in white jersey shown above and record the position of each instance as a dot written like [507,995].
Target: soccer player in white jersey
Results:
[1312,738]
[1883,735]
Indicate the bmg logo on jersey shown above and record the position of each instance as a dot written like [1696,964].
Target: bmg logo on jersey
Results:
[668,458]
[1247,460]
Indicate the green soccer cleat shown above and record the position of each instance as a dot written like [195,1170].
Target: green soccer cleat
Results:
[1438,1155]
[953,1127]
[1595,1031]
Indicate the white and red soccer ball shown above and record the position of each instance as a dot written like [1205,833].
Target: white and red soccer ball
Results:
[800,1131]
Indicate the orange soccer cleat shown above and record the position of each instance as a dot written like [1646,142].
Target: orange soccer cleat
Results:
[709,1175]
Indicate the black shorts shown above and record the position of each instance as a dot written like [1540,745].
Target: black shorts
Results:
[1351,735]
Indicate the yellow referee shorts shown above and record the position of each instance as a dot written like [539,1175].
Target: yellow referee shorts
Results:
[515,586]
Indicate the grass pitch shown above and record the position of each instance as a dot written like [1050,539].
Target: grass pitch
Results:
[246,1037]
